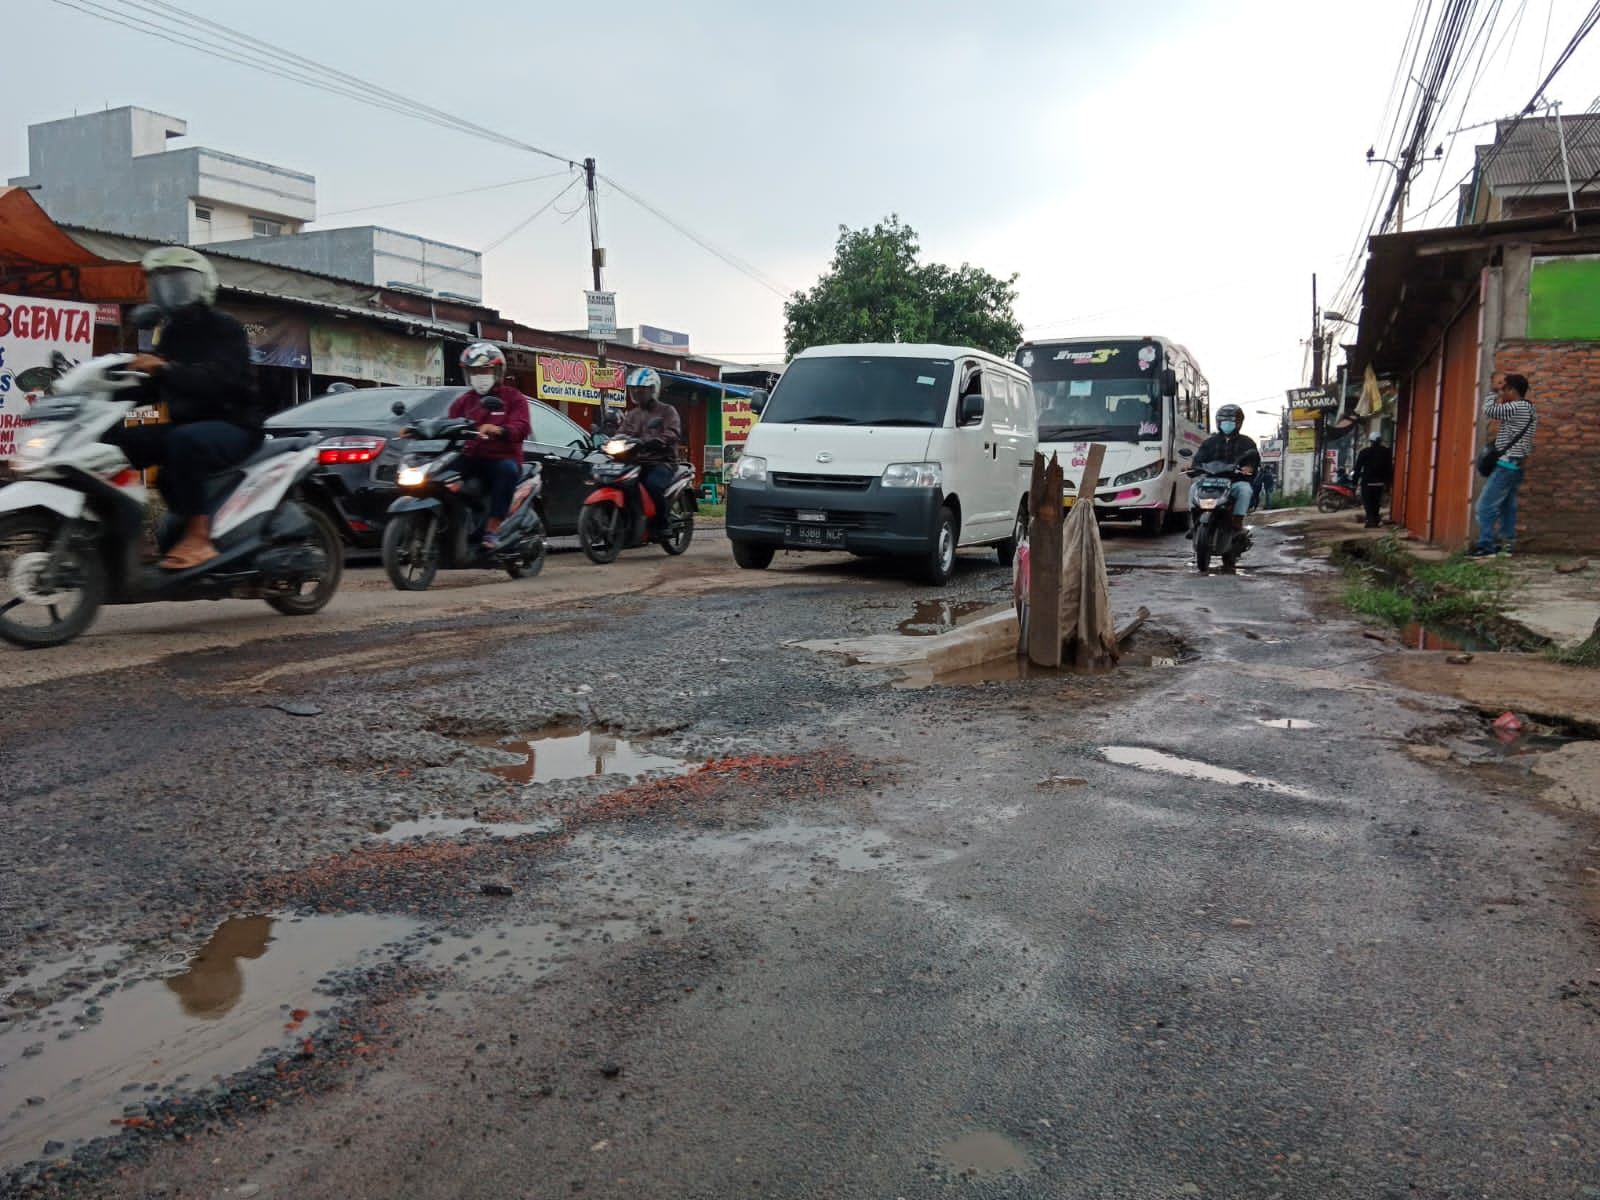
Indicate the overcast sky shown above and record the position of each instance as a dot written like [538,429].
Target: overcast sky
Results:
[1158,167]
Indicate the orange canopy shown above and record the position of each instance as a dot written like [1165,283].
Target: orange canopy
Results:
[38,258]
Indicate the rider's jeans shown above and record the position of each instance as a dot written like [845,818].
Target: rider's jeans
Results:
[186,456]
[499,476]
[656,478]
[1241,496]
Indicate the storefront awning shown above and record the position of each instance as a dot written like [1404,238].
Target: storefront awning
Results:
[38,259]
[715,385]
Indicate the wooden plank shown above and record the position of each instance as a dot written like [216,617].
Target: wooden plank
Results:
[1133,626]
[1091,472]
[1045,552]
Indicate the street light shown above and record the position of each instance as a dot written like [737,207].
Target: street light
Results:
[1329,315]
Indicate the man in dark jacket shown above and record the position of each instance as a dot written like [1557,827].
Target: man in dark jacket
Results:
[659,429]
[200,369]
[1374,473]
[495,457]
[1229,445]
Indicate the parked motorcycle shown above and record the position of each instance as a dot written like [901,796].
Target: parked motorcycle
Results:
[440,517]
[1338,495]
[72,512]
[1214,534]
[617,513]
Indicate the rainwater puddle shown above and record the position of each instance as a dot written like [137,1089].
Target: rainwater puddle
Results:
[91,963]
[69,1071]
[984,1154]
[1170,764]
[1288,723]
[931,617]
[566,752]
[404,831]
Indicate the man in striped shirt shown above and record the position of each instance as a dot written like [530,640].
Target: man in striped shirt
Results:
[1497,504]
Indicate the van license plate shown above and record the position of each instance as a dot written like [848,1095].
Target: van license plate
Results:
[814,536]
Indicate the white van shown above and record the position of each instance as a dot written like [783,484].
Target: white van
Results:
[895,450]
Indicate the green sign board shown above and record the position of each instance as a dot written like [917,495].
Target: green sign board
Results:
[1564,299]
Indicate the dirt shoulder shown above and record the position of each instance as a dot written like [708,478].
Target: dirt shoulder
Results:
[1522,683]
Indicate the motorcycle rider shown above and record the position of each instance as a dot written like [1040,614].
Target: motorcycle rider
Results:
[657,427]
[1228,444]
[199,367]
[494,457]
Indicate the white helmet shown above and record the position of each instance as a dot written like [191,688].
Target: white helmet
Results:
[644,379]
[177,276]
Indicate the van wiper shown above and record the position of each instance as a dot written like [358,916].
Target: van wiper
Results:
[918,422]
[820,419]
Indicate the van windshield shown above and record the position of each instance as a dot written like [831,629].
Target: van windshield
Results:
[862,391]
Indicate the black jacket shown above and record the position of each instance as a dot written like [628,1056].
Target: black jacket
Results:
[1375,465]
[1234,448]
[208,376]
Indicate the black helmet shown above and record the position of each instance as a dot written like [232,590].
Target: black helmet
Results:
[1231,412]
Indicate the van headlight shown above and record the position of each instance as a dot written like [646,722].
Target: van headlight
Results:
[913,475]
[1153,471]
[750,468]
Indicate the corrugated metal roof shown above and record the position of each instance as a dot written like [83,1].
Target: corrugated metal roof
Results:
[1529,155]
[250,278]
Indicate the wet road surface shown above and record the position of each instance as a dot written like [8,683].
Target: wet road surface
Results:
[689,911]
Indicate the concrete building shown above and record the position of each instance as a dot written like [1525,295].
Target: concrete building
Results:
[115,171]
[1527,169]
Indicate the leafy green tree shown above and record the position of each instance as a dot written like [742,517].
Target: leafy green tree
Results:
[877,291]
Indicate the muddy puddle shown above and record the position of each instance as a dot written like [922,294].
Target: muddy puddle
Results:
[984,1153]
[1424,637]
[571,752]
[933,617]
[1146,759]
[69,1071]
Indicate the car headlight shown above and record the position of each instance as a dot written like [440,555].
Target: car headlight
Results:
[411,476]
[913,475]
[750,468]
[1153,471]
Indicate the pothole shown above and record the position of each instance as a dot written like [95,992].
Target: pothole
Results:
[1187,768]
[73,1069]
[984,1153]
[563,752]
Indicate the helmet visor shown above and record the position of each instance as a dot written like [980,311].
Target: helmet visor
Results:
[172,290]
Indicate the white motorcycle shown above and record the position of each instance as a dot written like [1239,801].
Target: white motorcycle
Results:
[72,514]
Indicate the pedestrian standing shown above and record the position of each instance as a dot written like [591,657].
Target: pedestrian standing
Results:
[1497,503]
[1374,474]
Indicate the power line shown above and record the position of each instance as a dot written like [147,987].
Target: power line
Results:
[532,217]
[472,191]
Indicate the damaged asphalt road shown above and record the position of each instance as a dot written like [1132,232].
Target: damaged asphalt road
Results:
[1211,929]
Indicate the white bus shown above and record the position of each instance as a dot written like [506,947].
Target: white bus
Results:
[1144,399]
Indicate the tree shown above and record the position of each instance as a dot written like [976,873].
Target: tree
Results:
[877,291]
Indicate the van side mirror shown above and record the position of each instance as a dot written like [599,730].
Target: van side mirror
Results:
[758,401]
[970,411]
[1169,383]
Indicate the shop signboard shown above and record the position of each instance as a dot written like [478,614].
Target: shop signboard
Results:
[667,341]
[737,419]
[276,339]
[31,332]
[354,351]
[558,377]
[602,315]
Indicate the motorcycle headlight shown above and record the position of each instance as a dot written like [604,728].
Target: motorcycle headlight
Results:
[913,475]
[1153,471]
[36,446]
[411,476]
[750,468]
[616,446]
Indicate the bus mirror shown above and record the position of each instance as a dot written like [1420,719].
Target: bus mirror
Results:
[1169,383]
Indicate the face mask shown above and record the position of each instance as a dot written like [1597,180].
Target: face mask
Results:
[482,384]
[1229,427]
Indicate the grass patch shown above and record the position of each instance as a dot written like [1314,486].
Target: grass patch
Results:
[1387,583]
[1293,500]
[711,510]
[1584,654]
[1371,599]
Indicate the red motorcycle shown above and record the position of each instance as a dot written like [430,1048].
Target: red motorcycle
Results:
[1338,495]
[616,515]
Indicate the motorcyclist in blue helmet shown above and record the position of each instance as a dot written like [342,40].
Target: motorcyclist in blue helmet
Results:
[655,424]
[1228,444]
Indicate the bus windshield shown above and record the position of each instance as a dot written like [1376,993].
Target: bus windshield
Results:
[1108,391]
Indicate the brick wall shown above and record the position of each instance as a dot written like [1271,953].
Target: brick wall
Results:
[1559,507]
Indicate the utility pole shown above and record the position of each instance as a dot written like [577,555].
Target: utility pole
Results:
[597,259]
[1316,337]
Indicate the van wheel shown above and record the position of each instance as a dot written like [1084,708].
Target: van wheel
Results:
[1007,550]
[752,557]
[940,561]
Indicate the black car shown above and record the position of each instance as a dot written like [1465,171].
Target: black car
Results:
[359,462]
